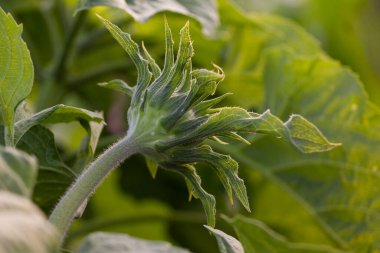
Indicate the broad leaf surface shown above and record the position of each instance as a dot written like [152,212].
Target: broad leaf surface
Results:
[340,188]
[54,176]
[121,243]
[55,114]
[16,72]
[205,11]
[23,227]
[18,171]
[257,237]
[226,243]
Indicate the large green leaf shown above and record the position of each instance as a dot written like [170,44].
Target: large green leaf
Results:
[121,243]
[347,179]
[16,72]
[23,227]
[256,237]
[226,243]
[205,11]
[18,171]
[54,176]
[340,189]
[288,73]
[55,114]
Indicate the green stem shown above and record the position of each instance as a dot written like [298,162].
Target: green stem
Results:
[89,181]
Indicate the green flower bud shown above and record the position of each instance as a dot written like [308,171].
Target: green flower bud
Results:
[171,116]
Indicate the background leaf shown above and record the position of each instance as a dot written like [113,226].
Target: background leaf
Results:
[23,227]
[205,11]
[337,188]
[257,237]
[121,243]
[16,72]
[226,243]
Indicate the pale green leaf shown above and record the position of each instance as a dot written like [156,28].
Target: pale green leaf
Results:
[226,243]
[55,114]
[18,171]
[256,237]
[152,166]
[119,86]
[156,71]
[16,72]
[24,229]
[204,11]
[338,188]
[306,136]
[347,178]
[122,243]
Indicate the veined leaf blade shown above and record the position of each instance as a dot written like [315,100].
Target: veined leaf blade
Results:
[16,72]
[56,114]
[204,11]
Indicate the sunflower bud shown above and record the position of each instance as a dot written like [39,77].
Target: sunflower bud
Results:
[171,116]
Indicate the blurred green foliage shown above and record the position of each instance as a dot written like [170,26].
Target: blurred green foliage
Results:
[271,61]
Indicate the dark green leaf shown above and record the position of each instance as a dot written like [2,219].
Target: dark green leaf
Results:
[55,114]
[226,243]
[193,182]
[54,176]
[121,243]
[225,167]
[18,171]
[205,11]
[16,72]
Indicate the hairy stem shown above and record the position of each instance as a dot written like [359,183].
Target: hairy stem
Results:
[89,181]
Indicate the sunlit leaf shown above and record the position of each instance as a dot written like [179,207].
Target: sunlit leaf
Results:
[256,237]
[55,114]
[16,72]
[338,188]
